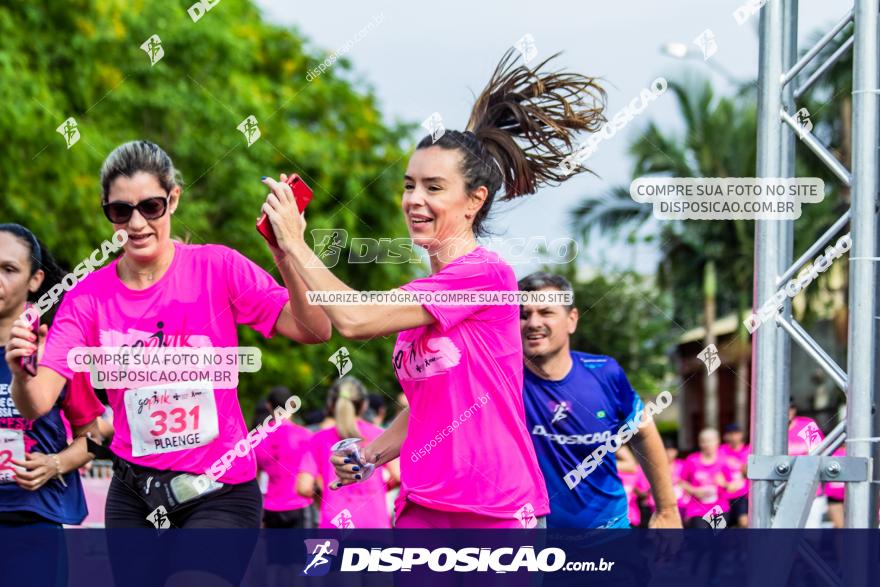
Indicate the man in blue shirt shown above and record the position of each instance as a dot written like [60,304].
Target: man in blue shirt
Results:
[580,409]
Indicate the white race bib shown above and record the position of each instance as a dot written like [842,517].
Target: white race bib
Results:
[11,447]
[171,418]
[711,496]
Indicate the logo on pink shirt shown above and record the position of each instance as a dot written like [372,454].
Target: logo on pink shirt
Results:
[142,338]
[425,358]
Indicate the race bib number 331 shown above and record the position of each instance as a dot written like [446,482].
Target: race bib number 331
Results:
[167,419]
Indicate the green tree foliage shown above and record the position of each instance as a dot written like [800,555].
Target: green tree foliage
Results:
[625,317]
[83,59]
[719,140]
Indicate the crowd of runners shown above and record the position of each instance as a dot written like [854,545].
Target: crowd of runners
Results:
[528,453]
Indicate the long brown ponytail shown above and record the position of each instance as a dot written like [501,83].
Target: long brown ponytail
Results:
[346,400]
[521,129]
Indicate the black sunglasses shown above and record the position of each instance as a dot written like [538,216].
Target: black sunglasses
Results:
[150,209]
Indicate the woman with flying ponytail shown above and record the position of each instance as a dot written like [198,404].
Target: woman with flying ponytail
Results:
[358,506]
[466,457]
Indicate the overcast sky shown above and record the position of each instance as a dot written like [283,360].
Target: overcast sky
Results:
[434,57]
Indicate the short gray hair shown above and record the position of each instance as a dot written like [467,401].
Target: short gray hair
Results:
[134,156]
[541,280]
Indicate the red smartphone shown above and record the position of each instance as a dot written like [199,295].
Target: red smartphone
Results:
[302,193]
[29,364]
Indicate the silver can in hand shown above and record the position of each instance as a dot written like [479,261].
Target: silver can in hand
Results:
[351,448]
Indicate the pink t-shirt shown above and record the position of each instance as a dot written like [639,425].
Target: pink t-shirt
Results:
[359,505]
[205,293]
[803,435]
[736,461]
[699,474]
[80,405]
[676,468]
[280,455]
[631,484]
[681,497]
[467,448]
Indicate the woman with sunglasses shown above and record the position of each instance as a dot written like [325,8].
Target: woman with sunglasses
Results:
[163,293]
[466,459]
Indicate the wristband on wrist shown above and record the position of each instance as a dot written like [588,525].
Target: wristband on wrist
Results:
[58,474]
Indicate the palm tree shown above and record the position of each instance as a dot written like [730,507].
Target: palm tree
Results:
[719,141]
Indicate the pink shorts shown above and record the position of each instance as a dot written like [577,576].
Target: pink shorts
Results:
[416,517]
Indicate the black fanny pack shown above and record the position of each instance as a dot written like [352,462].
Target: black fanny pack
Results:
[169,489]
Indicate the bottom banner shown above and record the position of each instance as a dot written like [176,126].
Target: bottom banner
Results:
[99,558]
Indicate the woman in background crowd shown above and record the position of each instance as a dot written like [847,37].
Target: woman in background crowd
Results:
[360,505]
[280,457]
[708,479]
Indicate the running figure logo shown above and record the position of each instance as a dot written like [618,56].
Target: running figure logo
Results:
[706,42]
[434,125]
[249,129]
[526,47]
[805,125]
[329,247]
[70,131]
[159,518]
[709,356]
[715,518]
[319,556]
[811,435]
[342,360]
[560,412]
[153,48]
[343,520]
[526,516]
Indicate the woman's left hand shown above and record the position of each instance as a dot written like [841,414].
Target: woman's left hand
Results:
[39,469]
[288,224]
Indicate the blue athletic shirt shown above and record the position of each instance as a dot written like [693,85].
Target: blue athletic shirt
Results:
[569,419]
[53,501]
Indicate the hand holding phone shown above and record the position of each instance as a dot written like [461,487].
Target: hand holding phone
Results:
[29,363]
[302,193]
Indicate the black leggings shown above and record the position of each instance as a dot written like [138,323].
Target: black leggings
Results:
[224,553]
[237,506]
